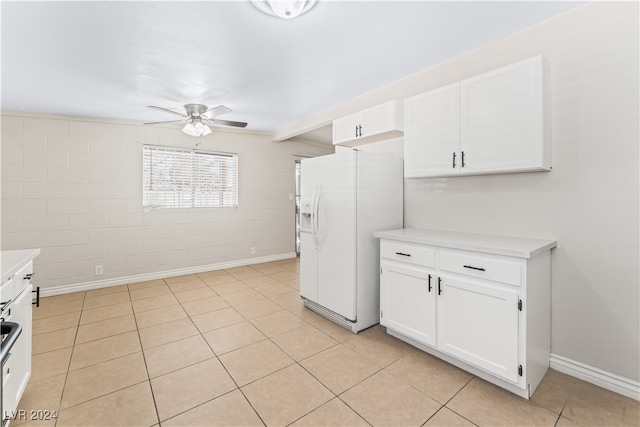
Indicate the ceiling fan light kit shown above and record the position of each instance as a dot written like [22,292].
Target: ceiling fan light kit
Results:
[286,9]
[196,129]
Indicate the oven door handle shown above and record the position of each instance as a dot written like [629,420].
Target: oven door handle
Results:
[12,331]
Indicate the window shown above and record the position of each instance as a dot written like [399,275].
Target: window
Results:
[182,178]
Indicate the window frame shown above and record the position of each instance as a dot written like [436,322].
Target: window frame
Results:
[169,208]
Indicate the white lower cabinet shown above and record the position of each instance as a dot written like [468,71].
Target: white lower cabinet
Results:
[16,298]
[483,311]
[408,301]
[478,323]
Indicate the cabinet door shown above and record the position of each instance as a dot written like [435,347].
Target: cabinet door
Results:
[22,349]
[379,119]
[346,128]
[502,120]
[432,133]
[478,323]
[406,302]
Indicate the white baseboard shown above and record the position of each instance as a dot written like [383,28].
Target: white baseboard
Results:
[596,376]
[87,286]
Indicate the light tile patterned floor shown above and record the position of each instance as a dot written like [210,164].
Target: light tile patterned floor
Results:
[237,348]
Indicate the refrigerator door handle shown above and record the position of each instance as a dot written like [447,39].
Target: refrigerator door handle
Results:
[316,215]
[313,218]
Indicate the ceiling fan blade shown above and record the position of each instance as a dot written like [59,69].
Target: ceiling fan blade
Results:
[166,121]
[218,111]
[227,123]
[167,111]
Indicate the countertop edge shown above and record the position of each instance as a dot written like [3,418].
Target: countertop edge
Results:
[472,244]
[17,259]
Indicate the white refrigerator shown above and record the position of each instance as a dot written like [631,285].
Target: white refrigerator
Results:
[345,198]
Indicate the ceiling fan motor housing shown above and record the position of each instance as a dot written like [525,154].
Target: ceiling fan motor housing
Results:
[195,109]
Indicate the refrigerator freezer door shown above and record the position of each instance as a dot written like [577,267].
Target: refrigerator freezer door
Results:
[308,267]
[308,253]
[336,231]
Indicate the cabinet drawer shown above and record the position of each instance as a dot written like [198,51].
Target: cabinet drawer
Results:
[408,252]
[494,268]
[8,290]
[22,278]
[16,284]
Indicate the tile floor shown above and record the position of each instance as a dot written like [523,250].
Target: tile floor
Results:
[236,347]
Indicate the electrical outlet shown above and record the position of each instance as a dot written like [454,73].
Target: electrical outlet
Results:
[253,250]
[98,270]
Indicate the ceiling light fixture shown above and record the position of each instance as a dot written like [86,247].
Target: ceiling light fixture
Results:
[286,9]
[195,127]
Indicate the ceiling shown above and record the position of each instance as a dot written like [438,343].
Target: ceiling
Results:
[112,59]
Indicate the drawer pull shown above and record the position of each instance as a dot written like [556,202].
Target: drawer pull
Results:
[29,276]
[37,301]
[474,268]
[439,286]
[403,254]
[429,283]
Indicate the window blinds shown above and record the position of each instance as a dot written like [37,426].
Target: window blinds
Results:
[180,178]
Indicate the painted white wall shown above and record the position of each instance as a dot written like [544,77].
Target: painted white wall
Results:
[589,202]
[73,187]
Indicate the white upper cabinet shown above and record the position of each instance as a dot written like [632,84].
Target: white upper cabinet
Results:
[491,123]
[501,118]
[375,124]
[346,128]
[432,133]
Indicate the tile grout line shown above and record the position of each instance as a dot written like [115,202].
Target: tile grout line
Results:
[217,357]
[454,395]
[66,375]
[283,309]
[73,346]
[144,358]
[270,339]
[335,396]
[274,343]
[230,376]
[564,404]
[113,391]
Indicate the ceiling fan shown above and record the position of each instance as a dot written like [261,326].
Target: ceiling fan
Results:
[197,117]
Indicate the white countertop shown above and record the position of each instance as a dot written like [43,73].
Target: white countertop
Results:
[521,247]
[12,261]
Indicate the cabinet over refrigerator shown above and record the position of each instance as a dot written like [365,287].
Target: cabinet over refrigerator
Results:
[345,198]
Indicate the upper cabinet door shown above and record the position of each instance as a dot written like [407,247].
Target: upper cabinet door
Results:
[432,133]
[383,118]
[502,120]
[384,121]
[347,128]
